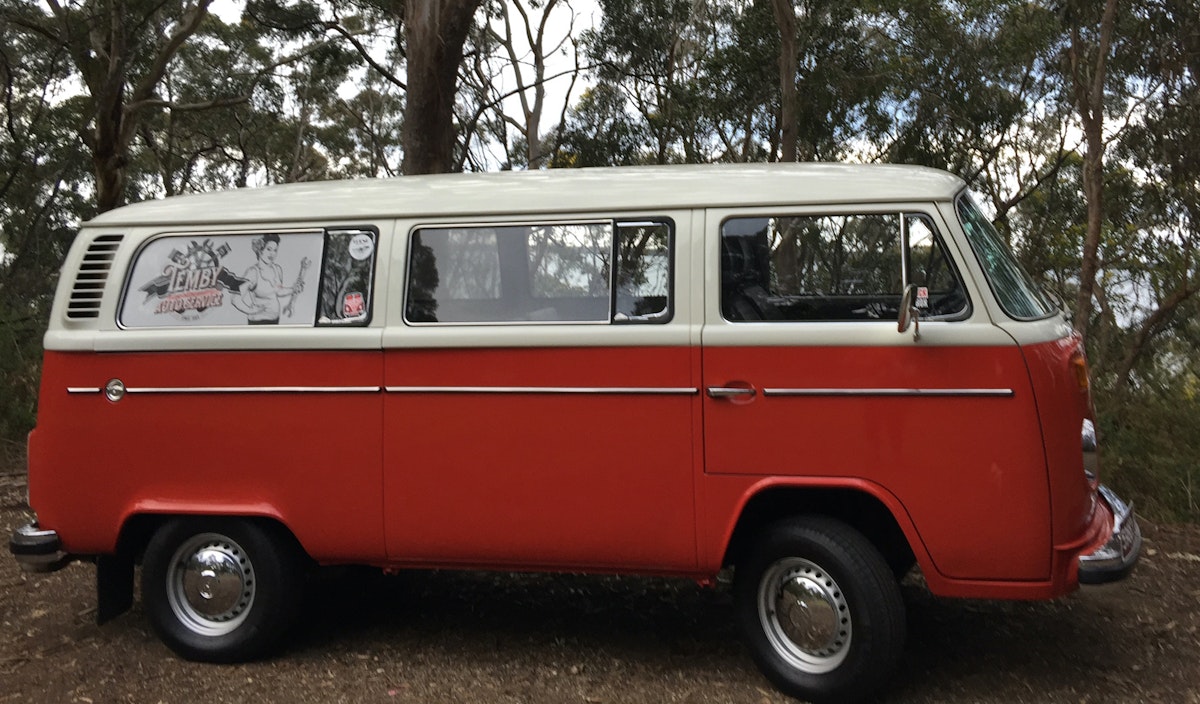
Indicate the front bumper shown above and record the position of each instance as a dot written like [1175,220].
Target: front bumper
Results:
[37,550]
[1113,560]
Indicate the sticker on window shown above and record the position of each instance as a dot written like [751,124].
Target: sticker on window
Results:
[264,279]
[346,278]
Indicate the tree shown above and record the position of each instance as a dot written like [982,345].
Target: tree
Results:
[42,178]
[513,47]
[435,32]
[1163,149]
[428,38]
[785,18]
[1086,58]
[598,132]
[651,51]
[121,49]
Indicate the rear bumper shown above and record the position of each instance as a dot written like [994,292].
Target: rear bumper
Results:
[1116,557]
[37,550]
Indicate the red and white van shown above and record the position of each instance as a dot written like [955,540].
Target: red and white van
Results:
[815,375]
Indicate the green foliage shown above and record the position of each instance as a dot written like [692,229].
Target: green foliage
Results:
[1150,442]
[43,176]
[598,133]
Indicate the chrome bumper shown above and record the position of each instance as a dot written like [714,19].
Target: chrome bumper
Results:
[37,550]
[1115,559]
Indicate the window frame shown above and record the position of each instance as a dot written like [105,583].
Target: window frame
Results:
[128,286]
[904,214]
[614,223]
[369,294]
[1051,308]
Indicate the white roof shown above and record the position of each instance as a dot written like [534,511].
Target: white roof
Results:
[556,190]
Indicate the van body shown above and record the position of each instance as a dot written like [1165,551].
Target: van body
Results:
[815,375]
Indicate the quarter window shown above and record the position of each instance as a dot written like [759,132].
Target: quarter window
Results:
[540,273]
[1018,295]
[839,267]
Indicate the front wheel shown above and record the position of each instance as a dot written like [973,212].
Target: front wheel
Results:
[820,610]
[221,590]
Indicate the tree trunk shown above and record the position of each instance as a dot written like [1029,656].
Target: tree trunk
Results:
[108,154]
[105,58]
[785,19]
[435,31]
[1088,95]
[1148,328]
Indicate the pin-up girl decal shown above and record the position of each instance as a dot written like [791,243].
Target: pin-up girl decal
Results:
[262,296]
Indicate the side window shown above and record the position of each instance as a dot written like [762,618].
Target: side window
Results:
[643,272]
[540,273]
[347,277]
[314,277]
[840,267]
[930,269]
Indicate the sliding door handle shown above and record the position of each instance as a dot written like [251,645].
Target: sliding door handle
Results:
[731,392]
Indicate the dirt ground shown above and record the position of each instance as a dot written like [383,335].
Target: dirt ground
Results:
[471,637]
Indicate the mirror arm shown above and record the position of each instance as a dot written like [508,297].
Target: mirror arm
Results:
[909,315]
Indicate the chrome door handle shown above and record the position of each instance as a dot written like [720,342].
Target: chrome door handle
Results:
[730,392]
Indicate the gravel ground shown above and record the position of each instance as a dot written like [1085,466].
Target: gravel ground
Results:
[475,637]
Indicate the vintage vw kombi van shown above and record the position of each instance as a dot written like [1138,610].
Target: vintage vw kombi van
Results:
[813,376]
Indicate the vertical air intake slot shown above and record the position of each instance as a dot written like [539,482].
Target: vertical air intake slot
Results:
[92,275]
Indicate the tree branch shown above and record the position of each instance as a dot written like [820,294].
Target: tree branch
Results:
[140,97]
[189,107]
[366,55]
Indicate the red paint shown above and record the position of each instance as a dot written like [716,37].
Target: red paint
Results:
[1062,406]
[594,481]
[310,460]
[989,491]
[969,471]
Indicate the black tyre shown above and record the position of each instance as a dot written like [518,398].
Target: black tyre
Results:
[820,610]
[221,589]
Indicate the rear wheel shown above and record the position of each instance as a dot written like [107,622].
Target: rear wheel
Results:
[820,610]
[221,590]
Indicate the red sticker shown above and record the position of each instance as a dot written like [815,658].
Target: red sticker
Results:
[922,297]
[353,305]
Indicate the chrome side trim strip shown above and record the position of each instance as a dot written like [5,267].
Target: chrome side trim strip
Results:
[640,390]
[986,393]
[251,389]
[236,389]
[84,389]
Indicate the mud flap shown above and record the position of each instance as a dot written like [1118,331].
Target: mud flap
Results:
[114,587]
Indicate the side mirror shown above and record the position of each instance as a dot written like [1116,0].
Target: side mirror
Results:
[909,315]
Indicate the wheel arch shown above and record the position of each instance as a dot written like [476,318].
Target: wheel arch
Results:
[867,508]
[138,528]
[114,573]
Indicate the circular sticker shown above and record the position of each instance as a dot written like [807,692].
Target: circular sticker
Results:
[361,246]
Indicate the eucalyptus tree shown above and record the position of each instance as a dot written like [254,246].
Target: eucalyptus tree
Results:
[369,121]
[974,91]
[435,32]
[120,51]
[178,151]
[833,70]
[515,53]
[1162,148]
[598,131]
[1086,58]
[737,80]
[427,40]
[44,182]
[652,51]
[1126,72]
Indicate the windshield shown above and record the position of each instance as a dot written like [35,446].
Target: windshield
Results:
[1019,296]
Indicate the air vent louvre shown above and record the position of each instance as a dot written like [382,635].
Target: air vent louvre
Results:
[92,275]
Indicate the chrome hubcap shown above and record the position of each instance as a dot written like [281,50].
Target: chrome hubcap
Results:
[805,615]
[210,585]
